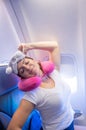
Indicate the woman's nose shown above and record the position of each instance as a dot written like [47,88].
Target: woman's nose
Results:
[28,66]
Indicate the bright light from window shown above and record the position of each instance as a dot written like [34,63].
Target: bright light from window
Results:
[69,71]
[72,82]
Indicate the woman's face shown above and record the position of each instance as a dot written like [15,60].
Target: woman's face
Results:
[28,68]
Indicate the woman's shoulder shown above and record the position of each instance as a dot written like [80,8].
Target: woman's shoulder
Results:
[55,72]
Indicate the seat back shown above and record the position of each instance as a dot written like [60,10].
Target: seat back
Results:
[10,95]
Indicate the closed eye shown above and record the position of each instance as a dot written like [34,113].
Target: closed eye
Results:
[26,63]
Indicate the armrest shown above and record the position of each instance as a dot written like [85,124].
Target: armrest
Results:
[1,126]
[77,114]
[33,122]
[4,120]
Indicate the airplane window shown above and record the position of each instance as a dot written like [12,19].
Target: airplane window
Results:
[69,71]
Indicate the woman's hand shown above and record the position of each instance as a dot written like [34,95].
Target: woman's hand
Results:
[21,47]
[24,48]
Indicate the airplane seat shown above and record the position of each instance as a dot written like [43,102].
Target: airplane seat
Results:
[10,97]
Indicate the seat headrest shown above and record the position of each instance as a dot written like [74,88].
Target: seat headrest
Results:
[7,82]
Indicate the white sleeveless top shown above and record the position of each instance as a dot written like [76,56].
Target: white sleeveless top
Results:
[53,104]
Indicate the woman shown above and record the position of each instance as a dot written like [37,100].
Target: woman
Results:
[50,98]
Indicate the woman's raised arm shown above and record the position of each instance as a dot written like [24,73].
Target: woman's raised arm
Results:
[51,46]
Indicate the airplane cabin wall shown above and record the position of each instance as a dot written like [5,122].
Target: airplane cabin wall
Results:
[63,21]
[8,37]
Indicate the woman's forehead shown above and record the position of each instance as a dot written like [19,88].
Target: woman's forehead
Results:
[21,62]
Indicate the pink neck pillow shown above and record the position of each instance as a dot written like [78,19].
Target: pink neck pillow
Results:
[34,82]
